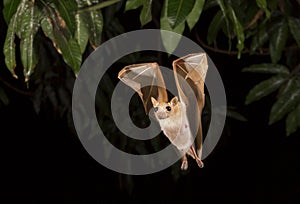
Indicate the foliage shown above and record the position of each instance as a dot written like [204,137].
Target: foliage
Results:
[66,23]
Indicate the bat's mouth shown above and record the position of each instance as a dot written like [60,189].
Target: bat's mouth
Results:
[162,116]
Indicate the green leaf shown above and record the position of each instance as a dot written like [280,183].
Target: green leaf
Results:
[266,29]
[82,32]
[178,10]
[267,68]
[227,25]
[133,4]
[265,88]
[3,97]
[96,27]
[294,25]
[194,15]
[239,31]
[170,43]
[61,38]
[292,83]
[146,16]
[93,21]
[9,9]
[9,44]
[31,22]
[97,6]
[292,121]
[72,54]
[263,4]
[285,103]
[259,39]
[278,41]
[214,27]
[67,10]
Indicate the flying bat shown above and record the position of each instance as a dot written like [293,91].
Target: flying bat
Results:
[174,116]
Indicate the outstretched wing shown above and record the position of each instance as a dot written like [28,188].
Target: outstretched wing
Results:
[192,69]
[147,80]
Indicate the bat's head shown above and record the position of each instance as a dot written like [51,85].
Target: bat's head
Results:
[164,110]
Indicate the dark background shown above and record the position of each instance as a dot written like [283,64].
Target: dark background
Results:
[44,161]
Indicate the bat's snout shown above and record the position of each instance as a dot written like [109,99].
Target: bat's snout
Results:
[161,115]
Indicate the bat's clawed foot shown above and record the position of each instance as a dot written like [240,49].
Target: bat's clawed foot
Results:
[200,163]
[184,164]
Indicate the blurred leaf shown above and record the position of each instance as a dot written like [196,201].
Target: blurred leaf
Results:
[31,22]
[9,9]
[178,10]
[272,5]
[293,121]
[209,4]
[263,4]
[214,27]
[292,83]
[285,103]
[232,113]
[266,68]
[294,25]
[3,97]
[67,10]
[97,6]
[227,25]
[264,88]
[145,15]
[61,38]
[9,44]
[133,4]
[239,31]
[170,43]
[261,37]
[194,15]
[278,41]
[266,29]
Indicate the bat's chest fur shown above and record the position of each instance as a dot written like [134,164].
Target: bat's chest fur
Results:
[177,129]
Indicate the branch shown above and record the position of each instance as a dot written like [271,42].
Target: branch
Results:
[26,93]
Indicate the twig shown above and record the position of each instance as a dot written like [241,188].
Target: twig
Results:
[255,19]
[26,93]
[296,70]
[218,50]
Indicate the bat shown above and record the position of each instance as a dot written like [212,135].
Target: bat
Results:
[176,116]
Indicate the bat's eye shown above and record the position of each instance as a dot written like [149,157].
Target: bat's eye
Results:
[155,109]
[168,108]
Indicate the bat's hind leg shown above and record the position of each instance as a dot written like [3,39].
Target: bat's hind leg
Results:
[184,164]
[198,160]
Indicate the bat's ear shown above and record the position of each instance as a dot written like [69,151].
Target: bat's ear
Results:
[154,101]
[174,101]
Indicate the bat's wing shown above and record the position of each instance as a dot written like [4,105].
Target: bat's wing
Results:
[193,69]
[147,80]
